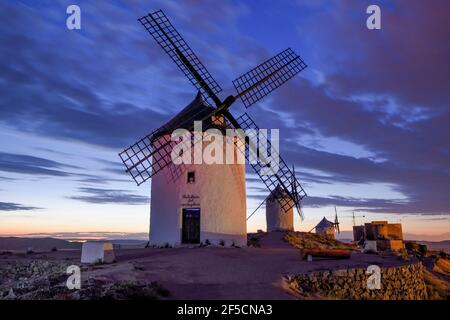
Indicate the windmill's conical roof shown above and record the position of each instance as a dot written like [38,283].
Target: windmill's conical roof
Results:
[324,223]
[195,111]
[278,193]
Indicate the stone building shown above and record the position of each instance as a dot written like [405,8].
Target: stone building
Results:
[388,236]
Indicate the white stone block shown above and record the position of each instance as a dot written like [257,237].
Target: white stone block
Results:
[370,246]
[97,252]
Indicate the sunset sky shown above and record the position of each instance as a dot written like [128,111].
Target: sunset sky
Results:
[366,124]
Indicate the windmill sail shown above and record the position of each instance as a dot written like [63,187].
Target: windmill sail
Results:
[283,177]
[296,190]
[152,153]
[269,75]
[162,30]
[138,157]
[336,221]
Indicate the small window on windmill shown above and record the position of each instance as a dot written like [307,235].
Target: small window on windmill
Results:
[191,177]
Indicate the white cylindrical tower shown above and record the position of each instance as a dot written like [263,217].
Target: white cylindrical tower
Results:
[277,218]
[196,203]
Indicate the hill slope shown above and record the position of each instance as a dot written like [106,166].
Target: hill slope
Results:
[37,244]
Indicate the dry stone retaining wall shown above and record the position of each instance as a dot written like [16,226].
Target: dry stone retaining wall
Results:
[397,283]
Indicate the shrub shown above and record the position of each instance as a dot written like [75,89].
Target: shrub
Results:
[403,254]
[129,290]
[423,249]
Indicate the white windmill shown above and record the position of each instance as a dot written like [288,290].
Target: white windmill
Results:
[199,202]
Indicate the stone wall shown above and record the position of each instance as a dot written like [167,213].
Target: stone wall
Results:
[395,231]
[397,283]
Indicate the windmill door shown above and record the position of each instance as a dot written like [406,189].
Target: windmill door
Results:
[191,225]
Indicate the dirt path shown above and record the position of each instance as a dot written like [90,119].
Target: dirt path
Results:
[225,273]
[221,273]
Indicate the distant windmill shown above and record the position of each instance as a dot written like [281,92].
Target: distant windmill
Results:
[276,217]
[152,154]
[328,227]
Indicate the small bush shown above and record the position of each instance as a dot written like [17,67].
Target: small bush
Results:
[253,239]
[163,292]
[234,245]
[222,243]
[403,254]
[423,249]
[129,290]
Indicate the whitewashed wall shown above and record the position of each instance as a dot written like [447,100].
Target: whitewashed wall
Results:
[219,191]
[276,218]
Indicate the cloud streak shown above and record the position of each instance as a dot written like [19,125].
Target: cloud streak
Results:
[11,206]
[109,196]
[31,165]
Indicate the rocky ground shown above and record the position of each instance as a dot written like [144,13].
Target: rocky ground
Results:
[307,240]
[256,272]
[37,279]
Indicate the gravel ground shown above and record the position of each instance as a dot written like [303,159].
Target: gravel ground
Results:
[172,273]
